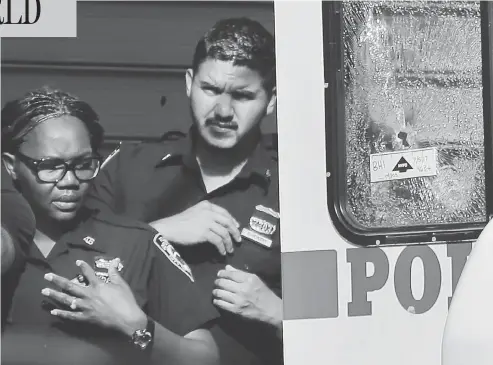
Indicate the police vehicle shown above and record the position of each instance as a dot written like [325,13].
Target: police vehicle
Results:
[385,146]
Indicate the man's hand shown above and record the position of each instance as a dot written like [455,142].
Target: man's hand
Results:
[245,294]
[111,305]
[204,222]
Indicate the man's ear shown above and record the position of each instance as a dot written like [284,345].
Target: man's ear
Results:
[188,80]
[272,101]
[8,160]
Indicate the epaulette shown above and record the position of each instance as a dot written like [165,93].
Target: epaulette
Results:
[172,136]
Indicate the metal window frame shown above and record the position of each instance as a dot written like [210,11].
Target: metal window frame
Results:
[332,20]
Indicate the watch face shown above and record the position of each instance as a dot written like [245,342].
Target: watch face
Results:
[142,339]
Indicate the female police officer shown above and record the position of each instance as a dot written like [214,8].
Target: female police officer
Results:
[60,315]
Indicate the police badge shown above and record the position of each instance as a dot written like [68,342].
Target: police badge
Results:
[103,263]
[263,224]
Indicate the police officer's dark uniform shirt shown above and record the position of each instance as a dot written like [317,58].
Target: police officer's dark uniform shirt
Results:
[19,221]
[157,180]
[162,285]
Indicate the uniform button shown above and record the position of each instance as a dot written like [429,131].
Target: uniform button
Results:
[267,173]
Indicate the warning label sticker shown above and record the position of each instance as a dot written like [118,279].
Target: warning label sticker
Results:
[403,164]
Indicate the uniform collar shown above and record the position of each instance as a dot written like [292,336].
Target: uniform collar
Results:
[76,238]
[257,167]
[84,236]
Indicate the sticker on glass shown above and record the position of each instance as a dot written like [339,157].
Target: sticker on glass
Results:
[403,164]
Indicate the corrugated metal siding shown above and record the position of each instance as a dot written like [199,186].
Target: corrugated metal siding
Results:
[127,55]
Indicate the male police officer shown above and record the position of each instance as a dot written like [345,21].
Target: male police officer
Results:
[214,194]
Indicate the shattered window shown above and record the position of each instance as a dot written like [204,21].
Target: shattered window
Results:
[413,113]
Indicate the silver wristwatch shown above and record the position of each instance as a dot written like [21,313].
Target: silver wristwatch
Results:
[143,338]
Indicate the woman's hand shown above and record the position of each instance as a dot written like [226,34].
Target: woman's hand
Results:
[108,304]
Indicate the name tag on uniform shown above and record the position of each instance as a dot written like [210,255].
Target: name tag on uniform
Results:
[263,225]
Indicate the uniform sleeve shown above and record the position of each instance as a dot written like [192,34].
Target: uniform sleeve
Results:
[175,300]
[17,217]
[103,194]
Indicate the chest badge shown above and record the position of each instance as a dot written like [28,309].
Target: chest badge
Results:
[263,224]
[102,264]
[89,240]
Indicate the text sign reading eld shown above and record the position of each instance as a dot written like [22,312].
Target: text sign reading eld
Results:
[403,164]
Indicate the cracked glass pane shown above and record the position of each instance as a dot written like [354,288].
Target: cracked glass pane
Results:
[413,80]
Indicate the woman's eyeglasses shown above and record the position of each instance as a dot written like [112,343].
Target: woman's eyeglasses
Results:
[52,170]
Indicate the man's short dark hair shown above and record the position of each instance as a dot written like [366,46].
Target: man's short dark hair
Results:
[20,116]
[244,42]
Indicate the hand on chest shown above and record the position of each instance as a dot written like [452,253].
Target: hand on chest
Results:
[100,264]
[252,203]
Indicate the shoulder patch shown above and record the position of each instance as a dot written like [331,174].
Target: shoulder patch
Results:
[172,255]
